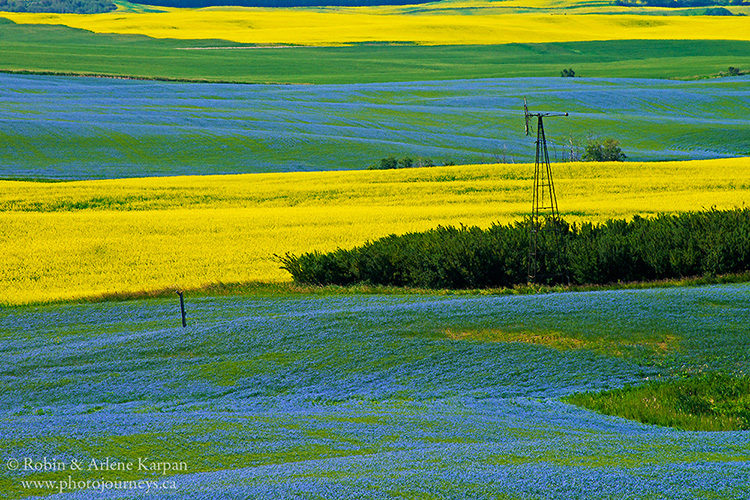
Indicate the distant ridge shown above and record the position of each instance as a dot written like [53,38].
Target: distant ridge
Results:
[277,3]
[58,6]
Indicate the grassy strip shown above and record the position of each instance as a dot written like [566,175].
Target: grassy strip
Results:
[83,74]
[259,288]
[59,50]
[708,402]
[648,344]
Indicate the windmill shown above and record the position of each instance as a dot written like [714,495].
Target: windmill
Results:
[544,204]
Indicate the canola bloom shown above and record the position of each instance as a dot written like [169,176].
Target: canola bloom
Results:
[76,240]
[436,24]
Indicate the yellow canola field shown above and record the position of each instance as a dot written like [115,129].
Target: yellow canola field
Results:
[84,239]
[423,25]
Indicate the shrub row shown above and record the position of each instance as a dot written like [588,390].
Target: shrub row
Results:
[667,246]
[392,162]
[275,3]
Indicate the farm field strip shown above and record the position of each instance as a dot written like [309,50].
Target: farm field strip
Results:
[368,396]
[339,26]
[82,239]
[63,50]
[75,128]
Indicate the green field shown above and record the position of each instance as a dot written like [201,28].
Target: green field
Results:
[62,50]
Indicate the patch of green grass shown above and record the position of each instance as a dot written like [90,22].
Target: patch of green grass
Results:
[229,372]
[709,402]
[637,343]
[67,51]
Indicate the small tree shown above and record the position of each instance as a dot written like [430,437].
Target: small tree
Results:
[388,163]
[568,73]
[733,71]
[603,150]
[405,162]
[424,162]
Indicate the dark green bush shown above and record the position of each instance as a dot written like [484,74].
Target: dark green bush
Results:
[405,162]
[603,150]
[667,246]
[392,162]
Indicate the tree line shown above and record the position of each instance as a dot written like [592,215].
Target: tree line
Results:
[58,6]
[391,162]
[710,242]
[277,3]
[594,149]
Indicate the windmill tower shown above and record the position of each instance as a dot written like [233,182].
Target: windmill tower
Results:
[545,215]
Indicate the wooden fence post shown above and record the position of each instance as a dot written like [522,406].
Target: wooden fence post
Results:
[182,309]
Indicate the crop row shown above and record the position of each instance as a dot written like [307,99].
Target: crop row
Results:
[67,128]
[83,239]
[336,26]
